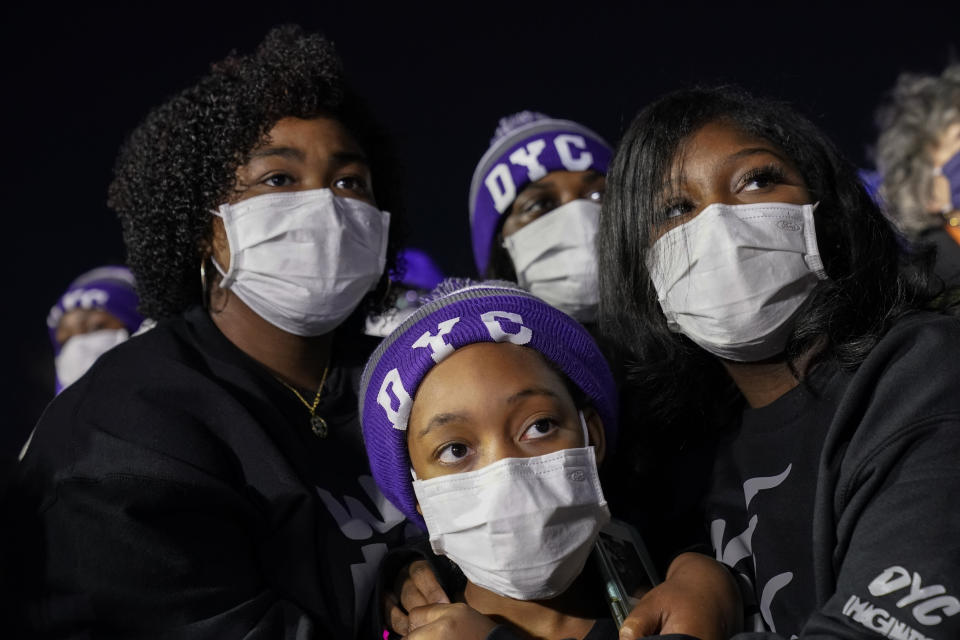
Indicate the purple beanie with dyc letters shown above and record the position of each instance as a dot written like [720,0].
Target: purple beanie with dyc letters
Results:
[525,147]
[110,288]
[462,313]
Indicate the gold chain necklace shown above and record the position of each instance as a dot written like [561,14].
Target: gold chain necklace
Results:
[317,424]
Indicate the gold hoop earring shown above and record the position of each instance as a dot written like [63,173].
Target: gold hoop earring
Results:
[204,294]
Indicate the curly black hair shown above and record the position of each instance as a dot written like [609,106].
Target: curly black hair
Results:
[180,163]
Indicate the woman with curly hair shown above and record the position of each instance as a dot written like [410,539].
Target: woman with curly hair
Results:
[208,478]
[918,156]
[763,295]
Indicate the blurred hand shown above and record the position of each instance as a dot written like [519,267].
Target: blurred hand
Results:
[699,598]
[417,586]
[445,621]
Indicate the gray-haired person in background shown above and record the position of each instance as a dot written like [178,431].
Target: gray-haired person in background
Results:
[918,155]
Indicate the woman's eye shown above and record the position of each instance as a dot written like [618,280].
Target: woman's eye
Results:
[278,180]
[538,206]
[356,184]
[453,453]
[540,429]
[677,209]
[762,178]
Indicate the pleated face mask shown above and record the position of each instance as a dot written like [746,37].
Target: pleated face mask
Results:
[81,351]
[555,258]
[303,260]
[732,278]
[520,527]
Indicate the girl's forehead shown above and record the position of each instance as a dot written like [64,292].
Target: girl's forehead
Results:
[717,138]
[711,145]
[485,373]
[475,361]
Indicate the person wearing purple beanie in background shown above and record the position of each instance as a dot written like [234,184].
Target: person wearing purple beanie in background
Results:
[97,312]
[485,415]
[534,207]
[416,274]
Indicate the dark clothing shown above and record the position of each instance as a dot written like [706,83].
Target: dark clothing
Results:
[453,582]
[177,489]
[668,512]
[947,265]
[603,629]
[837,503]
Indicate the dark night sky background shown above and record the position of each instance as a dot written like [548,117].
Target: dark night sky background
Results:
[77,80]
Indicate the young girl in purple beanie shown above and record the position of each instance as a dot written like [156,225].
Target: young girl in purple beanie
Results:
[485,415]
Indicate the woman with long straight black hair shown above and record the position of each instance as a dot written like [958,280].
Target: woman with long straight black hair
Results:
[760,298]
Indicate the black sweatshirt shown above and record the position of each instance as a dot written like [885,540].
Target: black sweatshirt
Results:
[839,503]
[178,490]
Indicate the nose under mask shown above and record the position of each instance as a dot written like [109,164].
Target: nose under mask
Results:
[555,258]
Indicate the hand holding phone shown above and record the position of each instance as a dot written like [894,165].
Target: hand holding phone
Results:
[626,567]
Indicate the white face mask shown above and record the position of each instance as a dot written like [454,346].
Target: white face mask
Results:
[79,353]
[520,527]
[303,260]
[732,278]
[556,260]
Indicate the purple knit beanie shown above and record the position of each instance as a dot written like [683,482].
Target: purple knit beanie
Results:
[525,147]
[111,289]
[462,313]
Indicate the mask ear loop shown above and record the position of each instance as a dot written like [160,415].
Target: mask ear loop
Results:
[226,276]
[586,434]
[812,250]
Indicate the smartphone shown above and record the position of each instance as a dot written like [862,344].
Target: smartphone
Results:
[626,567]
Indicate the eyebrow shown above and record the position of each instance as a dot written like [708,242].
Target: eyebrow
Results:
[532,391]
[536,186]
[440,420]
[670,186]
[443,419]
[339,158]
[592,175]
[285,152]
[751,151]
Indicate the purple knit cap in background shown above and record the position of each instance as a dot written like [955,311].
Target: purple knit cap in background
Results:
[526,147]
[111,289]
[419,271]
[462,313]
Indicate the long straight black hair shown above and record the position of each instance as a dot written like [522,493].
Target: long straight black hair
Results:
[871,281]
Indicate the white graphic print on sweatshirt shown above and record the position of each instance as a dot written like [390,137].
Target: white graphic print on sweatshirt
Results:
[741,546]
